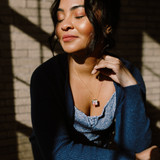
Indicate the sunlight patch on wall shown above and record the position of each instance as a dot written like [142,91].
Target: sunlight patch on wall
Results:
[24,147]
[36,11]
[25,58]
[28,9]
[151,69]
[34,17]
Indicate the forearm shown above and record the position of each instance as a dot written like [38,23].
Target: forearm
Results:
[133,125]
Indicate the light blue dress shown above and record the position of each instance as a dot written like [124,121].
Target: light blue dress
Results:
[90,126]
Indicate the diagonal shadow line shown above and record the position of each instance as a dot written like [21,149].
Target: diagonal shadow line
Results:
[24,82]
[151,70]
[22,128]
[32,30]
[153,36]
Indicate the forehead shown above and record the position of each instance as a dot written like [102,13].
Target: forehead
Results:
[70,3]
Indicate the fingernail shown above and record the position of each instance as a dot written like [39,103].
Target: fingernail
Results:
[93,72]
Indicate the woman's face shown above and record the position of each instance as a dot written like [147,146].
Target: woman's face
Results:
[73,29]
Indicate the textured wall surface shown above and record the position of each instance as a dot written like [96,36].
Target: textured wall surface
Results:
[25,26]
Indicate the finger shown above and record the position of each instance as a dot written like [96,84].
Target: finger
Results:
[111,58]
[105,64]
[95,69]
[104,69]
[110,63]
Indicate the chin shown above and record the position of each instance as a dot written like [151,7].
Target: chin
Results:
[77,50]
[70,50]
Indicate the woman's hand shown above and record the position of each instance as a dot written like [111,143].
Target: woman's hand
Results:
[152,153]
[113,68]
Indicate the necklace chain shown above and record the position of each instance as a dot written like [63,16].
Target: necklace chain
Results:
[95,101]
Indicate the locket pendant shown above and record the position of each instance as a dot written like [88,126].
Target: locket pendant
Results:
[95,102]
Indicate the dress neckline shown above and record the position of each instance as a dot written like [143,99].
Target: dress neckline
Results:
[102,110]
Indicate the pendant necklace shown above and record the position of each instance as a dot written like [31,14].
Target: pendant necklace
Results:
[95,102]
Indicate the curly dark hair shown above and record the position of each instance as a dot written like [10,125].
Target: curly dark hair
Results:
[103,15]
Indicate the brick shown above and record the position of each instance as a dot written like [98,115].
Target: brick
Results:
[34,53]
[6,19]
[22,117]
[8,103]
[25,61]
[47,53]
[11,126]
[147,78]
[19,53]
[6,94]
[20,36]
[4,30]
[20,85]
[5,45]
[46,4]
[6,70]
[22,101]
[147,51]
[23,109]
[150,59]
[19,45]
[25,155]
[125,2]
[131,24]
[21,71]
[32,4]
[9,156]
[22,93]
[45,13]
[48,28]
[17,3]
[33,19]
[27,12]
[137,3]
[47,23]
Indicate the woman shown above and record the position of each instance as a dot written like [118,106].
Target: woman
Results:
[77,97]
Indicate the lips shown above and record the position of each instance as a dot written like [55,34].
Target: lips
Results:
[67,38]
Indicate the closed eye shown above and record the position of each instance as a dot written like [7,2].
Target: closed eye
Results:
[58,21]
[79,17]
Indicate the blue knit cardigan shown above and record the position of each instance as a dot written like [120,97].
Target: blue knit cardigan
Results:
[52,115]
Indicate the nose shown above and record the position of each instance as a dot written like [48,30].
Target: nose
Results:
[67,24]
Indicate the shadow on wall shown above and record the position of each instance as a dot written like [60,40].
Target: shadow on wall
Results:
[130,32]
[9,125]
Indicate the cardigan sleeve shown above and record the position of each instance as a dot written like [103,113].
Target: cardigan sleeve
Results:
[132,123]
[51,138]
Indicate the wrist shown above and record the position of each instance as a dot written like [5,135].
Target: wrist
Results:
[130,83]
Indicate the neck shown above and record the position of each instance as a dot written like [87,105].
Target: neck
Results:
[84,68]
[83,63]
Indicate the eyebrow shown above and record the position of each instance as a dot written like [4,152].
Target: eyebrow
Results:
[72,8]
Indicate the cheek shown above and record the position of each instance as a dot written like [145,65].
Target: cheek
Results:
[86,28]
